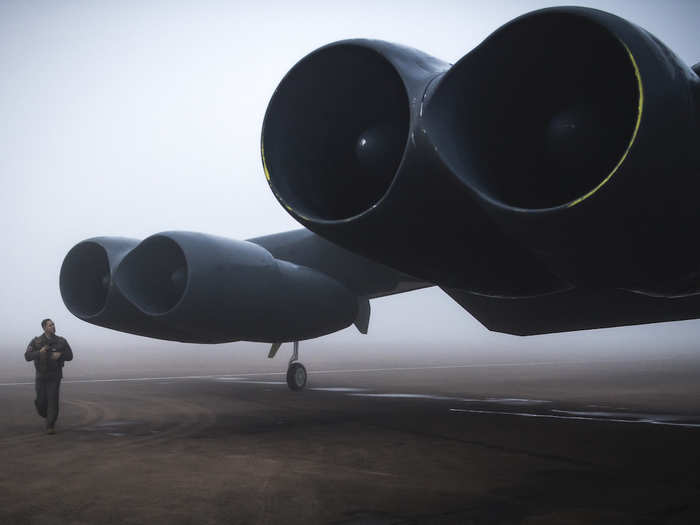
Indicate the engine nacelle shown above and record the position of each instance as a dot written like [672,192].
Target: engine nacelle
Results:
[579,134]
[562,150]
[201,288]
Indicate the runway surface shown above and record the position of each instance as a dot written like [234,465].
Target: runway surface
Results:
[402,445]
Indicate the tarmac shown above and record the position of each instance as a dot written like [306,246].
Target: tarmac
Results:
[526,443]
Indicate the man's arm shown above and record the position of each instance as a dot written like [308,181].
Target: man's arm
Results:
[30,354]
[67,352]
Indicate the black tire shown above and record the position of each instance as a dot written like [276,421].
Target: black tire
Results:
[296,377]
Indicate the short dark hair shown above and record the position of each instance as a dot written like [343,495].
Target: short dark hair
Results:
[43,323]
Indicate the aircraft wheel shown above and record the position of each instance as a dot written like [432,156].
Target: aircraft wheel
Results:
[296,377]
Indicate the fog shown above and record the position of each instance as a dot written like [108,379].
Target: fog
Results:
[130,118]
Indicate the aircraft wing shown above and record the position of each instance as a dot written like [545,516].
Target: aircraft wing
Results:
[577,309]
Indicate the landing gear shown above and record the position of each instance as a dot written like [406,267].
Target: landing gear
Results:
[296,377]
[296,372]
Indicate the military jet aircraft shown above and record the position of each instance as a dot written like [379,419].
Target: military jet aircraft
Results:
[547,182]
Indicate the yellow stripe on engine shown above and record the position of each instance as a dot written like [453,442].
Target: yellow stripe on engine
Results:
[262,152]
[274,191]
[638,75]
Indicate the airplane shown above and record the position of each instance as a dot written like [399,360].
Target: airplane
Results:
[547,182]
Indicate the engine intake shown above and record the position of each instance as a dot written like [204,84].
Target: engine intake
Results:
[542,113]
[86,276]
[154,276]
[335,131]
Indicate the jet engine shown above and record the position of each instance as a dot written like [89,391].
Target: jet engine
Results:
[87,287]
[562,151]
[579,133]
[200,288]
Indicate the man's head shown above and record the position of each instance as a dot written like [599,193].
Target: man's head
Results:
[49,327]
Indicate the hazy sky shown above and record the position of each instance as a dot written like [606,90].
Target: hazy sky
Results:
[130,118]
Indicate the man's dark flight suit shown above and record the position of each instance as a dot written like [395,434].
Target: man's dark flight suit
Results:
[48,373]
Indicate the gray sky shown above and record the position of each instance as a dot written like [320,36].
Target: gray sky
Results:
[130,118]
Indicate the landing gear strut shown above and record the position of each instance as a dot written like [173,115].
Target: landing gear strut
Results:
[296,372]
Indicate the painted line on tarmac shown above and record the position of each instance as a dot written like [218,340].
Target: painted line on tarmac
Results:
[578,418]
[116,380]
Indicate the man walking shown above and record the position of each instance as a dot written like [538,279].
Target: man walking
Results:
[49,352]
